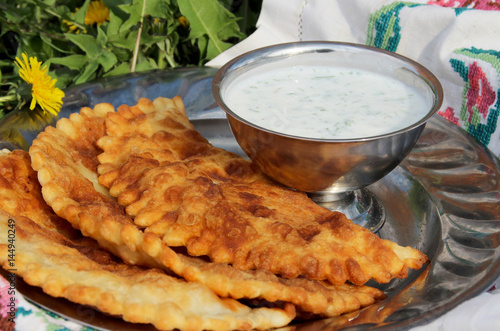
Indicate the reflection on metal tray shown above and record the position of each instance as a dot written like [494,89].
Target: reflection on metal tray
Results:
[443,199]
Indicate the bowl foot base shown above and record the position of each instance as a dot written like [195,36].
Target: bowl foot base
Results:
[361,206]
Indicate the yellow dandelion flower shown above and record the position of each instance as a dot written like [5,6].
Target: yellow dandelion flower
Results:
[97,13]
[43,90]
[73,28]
[183,21]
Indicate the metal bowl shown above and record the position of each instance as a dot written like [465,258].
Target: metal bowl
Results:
[326,165]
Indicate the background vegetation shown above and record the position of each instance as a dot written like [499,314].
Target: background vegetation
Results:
[137,35]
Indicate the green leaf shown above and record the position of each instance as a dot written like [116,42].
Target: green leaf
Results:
[114,8]
[74,62]
[101,37]
[88,73]
[114,24]
[107,60]
[50,3]
[17,14]
[122,68]
[64,76]
[82,11]
[209,18]
[49,42]
[145,65]
[203,46]
[122,54]
[134,10]
[149,40]
[158,8]
[86,43]
[122,41]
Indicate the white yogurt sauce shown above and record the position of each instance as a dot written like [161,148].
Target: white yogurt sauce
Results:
[325,102]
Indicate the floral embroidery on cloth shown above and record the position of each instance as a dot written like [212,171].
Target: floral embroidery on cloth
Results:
[8,304]
[384,30]
[33,318]
[480,70]
[467,4]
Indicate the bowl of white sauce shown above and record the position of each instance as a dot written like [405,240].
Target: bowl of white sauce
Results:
[326,116]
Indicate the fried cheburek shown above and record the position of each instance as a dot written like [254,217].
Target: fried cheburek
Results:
[178,186]
[66,160]
[77,269]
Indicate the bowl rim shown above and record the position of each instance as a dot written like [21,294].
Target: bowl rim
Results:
[429,78]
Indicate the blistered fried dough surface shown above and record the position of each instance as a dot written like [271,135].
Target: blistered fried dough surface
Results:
[316,297]
[89,276]
[20,193]
[74,195]
[217,204]
[65,158]
[77,269]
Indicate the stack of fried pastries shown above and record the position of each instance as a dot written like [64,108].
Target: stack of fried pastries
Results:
[195,227]
[65,264]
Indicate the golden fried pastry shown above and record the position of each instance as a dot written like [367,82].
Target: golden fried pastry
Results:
[315,297]
[77,197]
[218,204]
[20,193]
[78,270]
[89,276]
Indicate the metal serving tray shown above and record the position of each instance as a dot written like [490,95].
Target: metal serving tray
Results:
[444,199]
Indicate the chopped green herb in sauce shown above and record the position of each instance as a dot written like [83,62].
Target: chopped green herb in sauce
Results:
[325,102]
